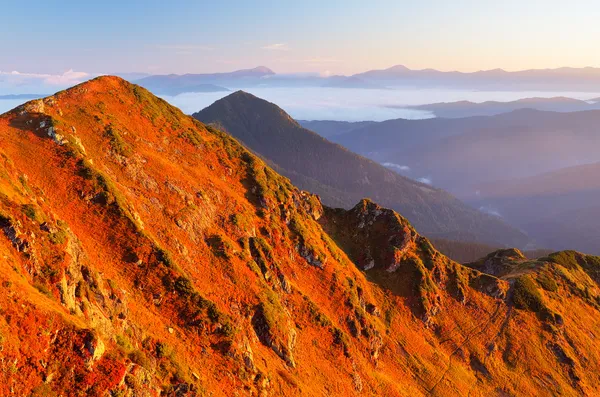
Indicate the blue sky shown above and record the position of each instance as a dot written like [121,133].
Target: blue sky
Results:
[340,37]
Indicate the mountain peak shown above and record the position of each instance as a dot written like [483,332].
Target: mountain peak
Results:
[262,70]
[398,68]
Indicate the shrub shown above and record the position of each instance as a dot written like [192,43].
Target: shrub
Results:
[547,283]
[140,358]
[43,390]
[43,289]
[183,286]
[117,142]
[526,296]
[162,350]
[59,237]
[123,342]
[30,212]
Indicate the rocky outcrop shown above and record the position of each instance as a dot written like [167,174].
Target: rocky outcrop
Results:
[500,262]
[275,330]
[374,237]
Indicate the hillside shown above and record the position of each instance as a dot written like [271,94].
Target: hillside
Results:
[559,208]
[342,178]
[458,154]
[146,254]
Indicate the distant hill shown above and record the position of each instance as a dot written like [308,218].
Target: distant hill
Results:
[22,96]
[342,177]
[465,251]
[561,79]
[560,208]
[174,84]
[490,108]
[460,153]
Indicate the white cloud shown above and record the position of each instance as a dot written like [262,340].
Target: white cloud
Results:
[426,181]
[396,166]
[490,210]
[276,47]
[67,78]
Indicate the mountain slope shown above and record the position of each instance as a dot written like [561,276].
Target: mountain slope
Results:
[559,208]
[145,254]
[342,178]
[506,146]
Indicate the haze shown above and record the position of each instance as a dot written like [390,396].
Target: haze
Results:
[333,37]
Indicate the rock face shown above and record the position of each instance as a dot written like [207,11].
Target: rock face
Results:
[387,247]
[152,255]
[376,237]
[499,262]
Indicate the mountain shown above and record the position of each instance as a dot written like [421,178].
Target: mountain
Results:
[22,96]
[561,79]
[560,207]
[174,84]
[342,178]
[330,128]
[144,253]
[490,108]
[464,251]
[458,154]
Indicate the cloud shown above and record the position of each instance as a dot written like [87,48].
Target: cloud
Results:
[67,78]
[488,209]
[426,181]
[396,166]
[276,47]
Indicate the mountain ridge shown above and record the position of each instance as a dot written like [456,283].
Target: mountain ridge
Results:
[269,131]
[154,255]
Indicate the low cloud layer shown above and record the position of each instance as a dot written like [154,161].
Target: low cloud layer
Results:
[315,103]
[397,167]
[26,83]
[488,209]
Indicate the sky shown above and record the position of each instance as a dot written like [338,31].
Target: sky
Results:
[327,37]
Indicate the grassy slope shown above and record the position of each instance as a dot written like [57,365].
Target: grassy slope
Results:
[147,252]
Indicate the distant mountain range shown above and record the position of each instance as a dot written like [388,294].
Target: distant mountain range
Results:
[341,177]
[538,170]
[21,96]
[457,154]
[561,79]
[491,108]
[561,208]
[568,79]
